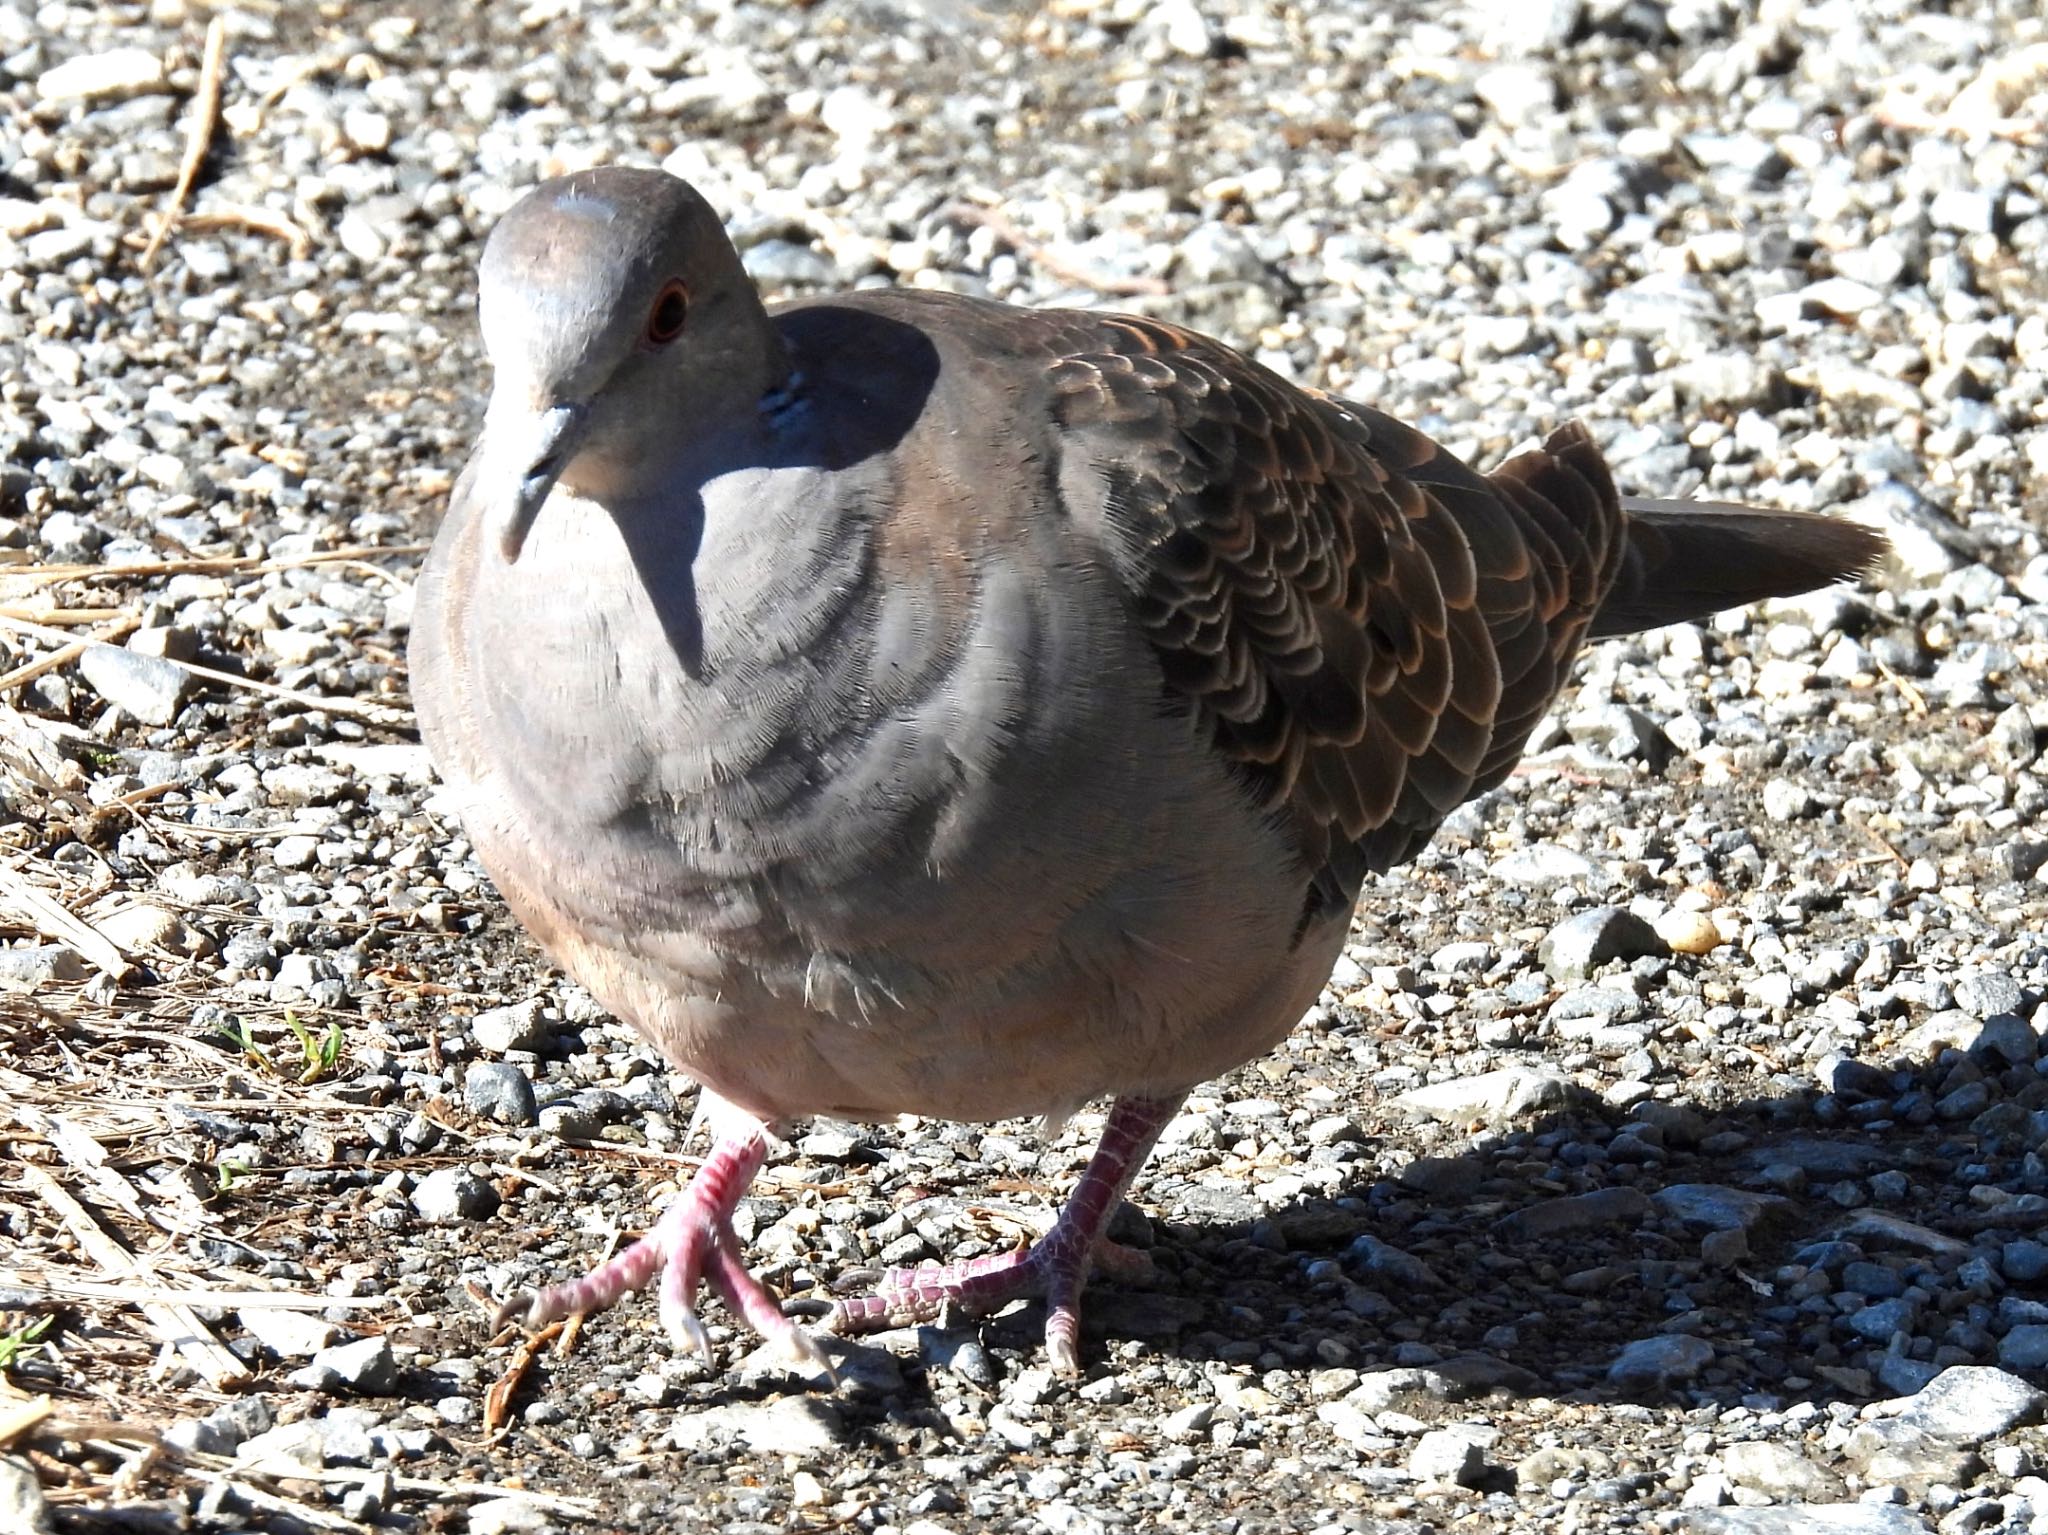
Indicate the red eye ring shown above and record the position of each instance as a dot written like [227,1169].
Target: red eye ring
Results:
[671,309]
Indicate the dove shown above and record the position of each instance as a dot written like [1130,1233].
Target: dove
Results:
[906,703]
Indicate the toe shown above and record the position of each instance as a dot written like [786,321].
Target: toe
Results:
[805,1353]
[522,1307]
[686,1329]
[1062,1344]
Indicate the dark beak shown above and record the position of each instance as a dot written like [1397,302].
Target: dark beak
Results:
[539,462]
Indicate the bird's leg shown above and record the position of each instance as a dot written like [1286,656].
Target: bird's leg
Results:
[1055,1266]
[692,1242]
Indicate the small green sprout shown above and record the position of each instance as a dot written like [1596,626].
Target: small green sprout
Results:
[21,1340]
[320,1054]
[236,1032]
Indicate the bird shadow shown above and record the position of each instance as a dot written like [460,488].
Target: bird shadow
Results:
[1815,1245]
[878,372]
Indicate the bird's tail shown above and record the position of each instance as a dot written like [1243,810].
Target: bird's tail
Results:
[1688,559]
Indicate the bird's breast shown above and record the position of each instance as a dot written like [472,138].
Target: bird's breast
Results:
[902,796]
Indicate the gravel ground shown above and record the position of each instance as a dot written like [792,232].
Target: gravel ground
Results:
[1666,1151]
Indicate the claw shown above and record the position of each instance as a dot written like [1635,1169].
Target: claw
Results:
[805,1353]
[691,1243]
[1062,1354]
[520,1307]
[687,1331]
[694,1245]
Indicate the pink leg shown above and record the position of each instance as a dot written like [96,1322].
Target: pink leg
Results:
[692,1242]
[1055,1266]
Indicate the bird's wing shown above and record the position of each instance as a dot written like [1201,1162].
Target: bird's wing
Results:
[1366,627]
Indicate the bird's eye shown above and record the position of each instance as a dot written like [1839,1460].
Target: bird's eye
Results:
[671,308]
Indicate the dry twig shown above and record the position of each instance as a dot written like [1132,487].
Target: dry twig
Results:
[85,1156]
[174,1324]
[362,709]
[207,565]
[260,221]
[205,114]
[54,920]
[126,1294]
[498,1398]
[1916,701]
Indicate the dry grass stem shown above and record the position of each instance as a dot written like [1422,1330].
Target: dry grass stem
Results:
[198,138]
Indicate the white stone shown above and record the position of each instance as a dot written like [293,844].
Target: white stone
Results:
[98,76]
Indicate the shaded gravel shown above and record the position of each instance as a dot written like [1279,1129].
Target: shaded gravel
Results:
[1666,1152]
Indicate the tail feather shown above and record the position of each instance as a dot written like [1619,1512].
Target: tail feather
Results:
[1689,559]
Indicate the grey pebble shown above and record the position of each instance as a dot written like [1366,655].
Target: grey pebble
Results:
[1900,1453]
[1660,1362]
[1877,1322]
[1619,1206]
[2025,1347]
[830,1145]
[1779,1471]
[1807,1519]
[519,1026]
[1968,1404]
[1493,1097]
[1903,1375]
[1989,992]
[287,1334]
[583,1115]
[509,1516]
[2024,1261]
[1716,1207]
[1787,800]
[150,689]
[22,1504]
[500,1091]
[790,1425]
[453,1194]
[1517,93]
[301,1445]
[39,965]
[1583,942]
[1874,1281]
[2009,1037]
[366,1365]
[1965,1102]
[1381,1260]
[1547,864]
[1454,1455]
[224,1430]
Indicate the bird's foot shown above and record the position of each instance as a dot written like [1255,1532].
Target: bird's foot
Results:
[692,1244]
[1056,1266]
[1054,1270]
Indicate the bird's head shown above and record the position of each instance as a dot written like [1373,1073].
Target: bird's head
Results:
[618,319]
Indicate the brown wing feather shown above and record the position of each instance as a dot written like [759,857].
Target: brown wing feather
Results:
[1369,628]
